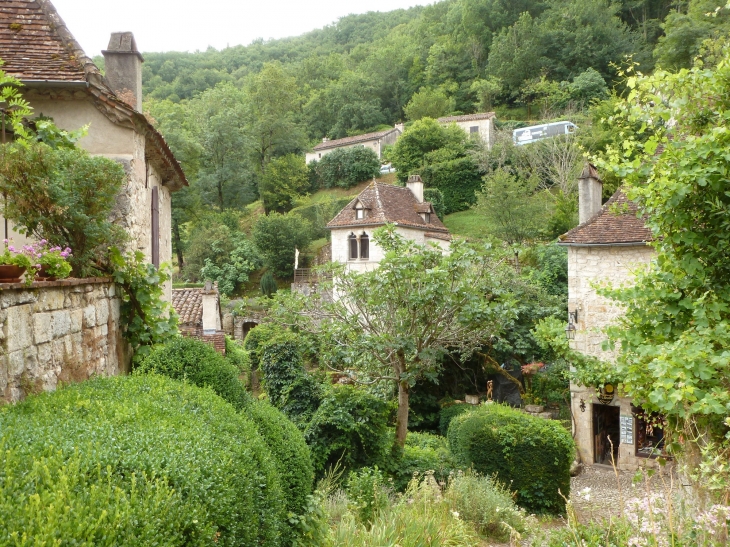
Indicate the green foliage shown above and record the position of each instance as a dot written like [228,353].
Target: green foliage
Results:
[530,454]
[119,461]
[458,180]
[147,319]
[237,356]
[256,340]
[268,285]
[367,494]
[16,106]
[450,412]
[277,236]
[429,103]
[346,167]
[320,213]
[423,453]
[242,261]
[487,504]
[436,198]
[348,427]
[289,386]
[284,181]
[194,361]
[65,196]
[547,266]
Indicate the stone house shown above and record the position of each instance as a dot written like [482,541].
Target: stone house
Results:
[374,141]
[62,82]
[379,204]
[481,125]
[608,245]
[199,313]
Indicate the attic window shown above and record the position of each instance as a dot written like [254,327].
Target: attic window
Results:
[427,218]
[360,213]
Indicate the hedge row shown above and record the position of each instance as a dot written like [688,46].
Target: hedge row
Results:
[459,180]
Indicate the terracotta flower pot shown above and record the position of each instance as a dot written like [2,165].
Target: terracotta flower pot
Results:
[10,274]
[42,275]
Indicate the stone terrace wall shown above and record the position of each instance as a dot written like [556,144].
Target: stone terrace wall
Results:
[58,332]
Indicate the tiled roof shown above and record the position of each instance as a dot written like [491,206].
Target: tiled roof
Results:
[38,48]
[616,223]
[439,235]
[31,47]
[354,140]
[188,304]
[388,204]
[468,117]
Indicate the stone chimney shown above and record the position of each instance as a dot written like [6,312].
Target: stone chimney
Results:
[325,139]
[415,185]
[211,309]
[400,127]
[590,193]
[123,67]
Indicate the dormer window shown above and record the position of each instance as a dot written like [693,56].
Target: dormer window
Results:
[359,214]
[427,218]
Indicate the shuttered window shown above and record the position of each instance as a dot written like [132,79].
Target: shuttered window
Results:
[155,227]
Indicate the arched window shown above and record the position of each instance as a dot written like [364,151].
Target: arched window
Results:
[364,246]
[352,240]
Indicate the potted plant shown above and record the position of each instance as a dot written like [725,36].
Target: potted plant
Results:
[13,264]
[50,263]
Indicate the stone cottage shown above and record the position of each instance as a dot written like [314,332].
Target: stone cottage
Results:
[199,313]
[62,82]
[377,205]
[609,244]
[374,141]
[478,125]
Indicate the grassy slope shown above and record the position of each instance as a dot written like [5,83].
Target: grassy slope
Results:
[468,224]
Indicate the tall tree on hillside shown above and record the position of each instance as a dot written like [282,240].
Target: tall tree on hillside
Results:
[395,324]
[271,102]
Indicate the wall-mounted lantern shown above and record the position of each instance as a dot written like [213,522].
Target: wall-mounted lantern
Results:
[572,321]
[582,405]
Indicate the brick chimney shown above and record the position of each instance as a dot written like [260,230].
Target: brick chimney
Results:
[415,185]
[123,67]
[590,193]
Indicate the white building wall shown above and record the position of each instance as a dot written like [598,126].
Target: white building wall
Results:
[485,129]
[589,268]
[340,246]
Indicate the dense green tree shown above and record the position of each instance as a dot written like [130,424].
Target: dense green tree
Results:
[429,103]
[286,179]
[346,167]
[277,236]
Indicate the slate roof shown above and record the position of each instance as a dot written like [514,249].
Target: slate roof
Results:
[468,117]
[188,304]
[353,140]
[39,50]
[388,204]
[616,223]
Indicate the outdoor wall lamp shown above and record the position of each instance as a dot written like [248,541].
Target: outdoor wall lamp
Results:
[582,405]
[570,329]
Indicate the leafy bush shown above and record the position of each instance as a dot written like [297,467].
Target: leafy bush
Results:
[459,180]
[423,453]
[135,460]
[276,237]
[436,197]
[349,426]
[268,285]
[286,178]
[448,413]
[346,167]
[530,454]
[257,338]
[65,196]
[289,386]
[320,213]
[198,363]
[233,260]
[367,494]
[487,504]
[237,356]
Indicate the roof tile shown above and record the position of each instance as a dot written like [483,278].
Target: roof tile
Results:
[468,117]
[354,140]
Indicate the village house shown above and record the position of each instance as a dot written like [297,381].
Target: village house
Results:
[477,125]
[377,205]
[60,81]
[609,244]
[373,141]
[199,314]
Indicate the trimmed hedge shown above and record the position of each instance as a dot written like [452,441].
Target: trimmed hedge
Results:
[256,339]
[198,363]
[530,454]
[349,426]
[459,180]
[140,460]
[448,413]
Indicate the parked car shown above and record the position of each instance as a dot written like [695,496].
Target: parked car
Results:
[526,135]
[386,168]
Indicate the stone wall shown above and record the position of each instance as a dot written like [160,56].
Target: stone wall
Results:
[588,268]
[58,332]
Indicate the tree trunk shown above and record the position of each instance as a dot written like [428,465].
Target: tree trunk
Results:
[401,419]
[178,245]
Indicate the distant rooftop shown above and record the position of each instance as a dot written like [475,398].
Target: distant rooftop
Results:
[325,145]
[468,117]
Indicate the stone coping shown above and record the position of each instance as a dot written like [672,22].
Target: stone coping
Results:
[68,282]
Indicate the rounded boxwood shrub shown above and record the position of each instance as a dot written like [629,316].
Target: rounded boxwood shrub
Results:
[198,363]
[530,455]
[141,460]
[448,413]
[350,426]
[256,339]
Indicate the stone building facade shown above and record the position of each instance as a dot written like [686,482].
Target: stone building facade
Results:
[58,332]
[373,141]
[199,315]
[478,125]
[607,248]
[379,204]
[61,82]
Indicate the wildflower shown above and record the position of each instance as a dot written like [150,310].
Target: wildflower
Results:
[455,513]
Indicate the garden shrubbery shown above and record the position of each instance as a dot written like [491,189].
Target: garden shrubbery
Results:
[139,460]
[422,453]
[345,167]
[448,413]
[530,454]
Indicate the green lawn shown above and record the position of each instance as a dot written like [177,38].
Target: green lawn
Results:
[469,224]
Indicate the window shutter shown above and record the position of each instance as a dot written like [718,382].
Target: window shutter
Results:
[155,227]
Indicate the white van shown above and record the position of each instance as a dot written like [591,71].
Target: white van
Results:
[534,133]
